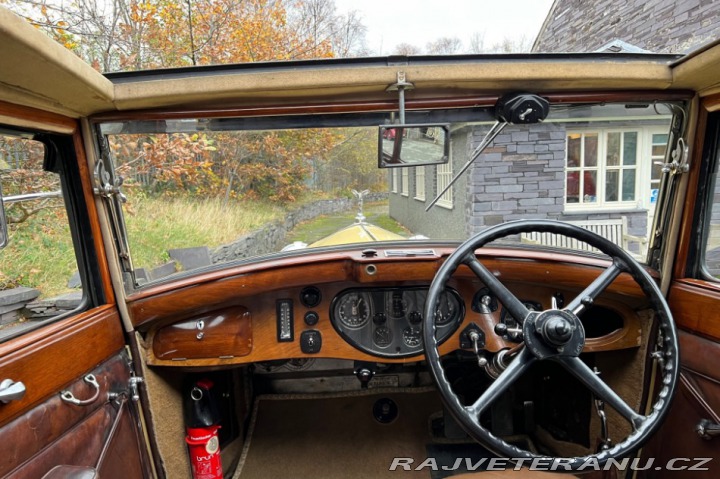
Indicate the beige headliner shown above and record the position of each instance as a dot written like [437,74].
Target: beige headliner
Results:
[40,73]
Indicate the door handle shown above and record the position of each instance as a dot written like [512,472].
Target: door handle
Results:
[707,429]
[11,391]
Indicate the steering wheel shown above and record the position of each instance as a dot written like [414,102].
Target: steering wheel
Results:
[553,335]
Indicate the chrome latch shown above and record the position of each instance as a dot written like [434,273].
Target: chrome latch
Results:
[108,185]
[679,163]
[132,391]
[133,383]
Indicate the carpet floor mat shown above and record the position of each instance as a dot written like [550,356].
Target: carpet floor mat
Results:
[304,436]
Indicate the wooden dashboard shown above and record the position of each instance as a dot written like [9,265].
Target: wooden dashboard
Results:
[233,317]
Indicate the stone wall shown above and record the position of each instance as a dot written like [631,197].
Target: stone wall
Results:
[659,26]
[272,237]
[521,176]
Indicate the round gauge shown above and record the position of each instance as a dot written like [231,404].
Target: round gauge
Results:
[447,308]
[382,337]
[354,310]
[412,336]
[396,306]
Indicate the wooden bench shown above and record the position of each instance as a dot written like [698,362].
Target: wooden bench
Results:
[615,230]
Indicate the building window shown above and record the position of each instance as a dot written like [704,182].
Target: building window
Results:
[420,183]
[404,182]
[658,146]
[394,180]
[602,169]
[444,176]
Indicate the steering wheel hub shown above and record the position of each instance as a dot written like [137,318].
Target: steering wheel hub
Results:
[557,330]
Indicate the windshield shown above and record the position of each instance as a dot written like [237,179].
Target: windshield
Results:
[207,191]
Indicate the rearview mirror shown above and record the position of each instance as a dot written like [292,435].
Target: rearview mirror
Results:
[413,145]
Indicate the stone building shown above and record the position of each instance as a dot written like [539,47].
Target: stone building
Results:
[657,26]
[598,170]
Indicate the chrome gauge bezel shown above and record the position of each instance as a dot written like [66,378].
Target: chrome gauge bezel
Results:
[363,309]
[362,333]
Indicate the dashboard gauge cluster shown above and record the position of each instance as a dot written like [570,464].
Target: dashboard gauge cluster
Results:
[387,322]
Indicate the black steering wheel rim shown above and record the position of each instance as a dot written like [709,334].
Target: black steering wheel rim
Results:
[469,417]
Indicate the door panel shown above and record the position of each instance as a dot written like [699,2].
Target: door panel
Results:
[52,358]
[50,348]
[48,431]
[698,396]
[57,433]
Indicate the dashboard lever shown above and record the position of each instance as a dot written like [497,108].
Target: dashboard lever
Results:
[475,338]
[364,372]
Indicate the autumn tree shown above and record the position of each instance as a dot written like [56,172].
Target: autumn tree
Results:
[406,49]
[444,46]
[21,172]
[477,43]
[352,162]
[325,31]
[141,34]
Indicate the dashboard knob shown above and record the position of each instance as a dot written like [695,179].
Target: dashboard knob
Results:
[379,318]
[415,317]
[311,318]
[501,329]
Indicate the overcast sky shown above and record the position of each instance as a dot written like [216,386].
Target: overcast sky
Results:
[391,22]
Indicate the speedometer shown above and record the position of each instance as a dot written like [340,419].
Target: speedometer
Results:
[354,310]
[447,308]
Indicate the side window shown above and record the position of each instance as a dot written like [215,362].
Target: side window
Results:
[712,230]
[39,279]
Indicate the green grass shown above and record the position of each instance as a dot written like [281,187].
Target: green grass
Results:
[322,226]
[40,252]
[156,225]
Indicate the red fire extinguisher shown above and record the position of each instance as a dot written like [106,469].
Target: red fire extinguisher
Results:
[201,421]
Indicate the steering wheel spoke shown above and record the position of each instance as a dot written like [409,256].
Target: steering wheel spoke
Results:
[585,299]
[514,306]
[600,389]
[508,377]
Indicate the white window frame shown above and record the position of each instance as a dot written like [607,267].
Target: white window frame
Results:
[444,176]
[420,183]
[405,182]
[393,180]
[641,168]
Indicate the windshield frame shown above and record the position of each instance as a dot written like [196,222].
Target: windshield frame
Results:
[360,113]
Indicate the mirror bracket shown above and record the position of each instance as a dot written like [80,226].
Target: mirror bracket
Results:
[401,86]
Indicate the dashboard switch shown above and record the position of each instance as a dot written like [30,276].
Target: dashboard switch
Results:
[310,341]
[311,318]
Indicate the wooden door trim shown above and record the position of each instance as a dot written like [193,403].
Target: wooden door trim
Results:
[48,359]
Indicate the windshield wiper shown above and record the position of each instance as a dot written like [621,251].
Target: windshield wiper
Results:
[517,108]
[494,131]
